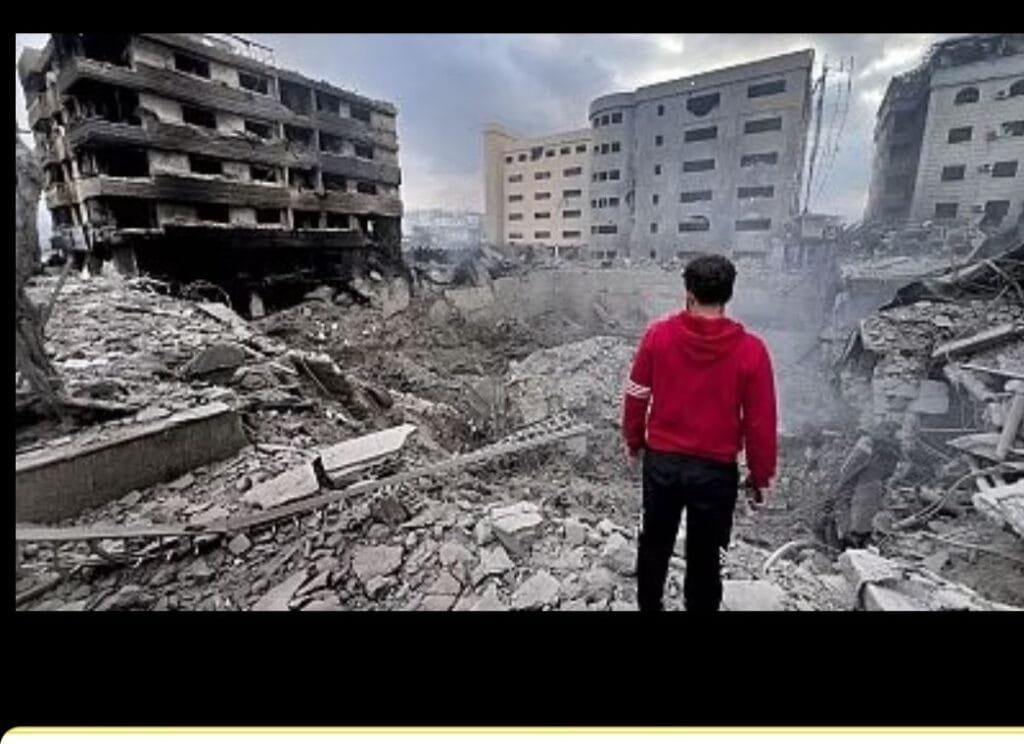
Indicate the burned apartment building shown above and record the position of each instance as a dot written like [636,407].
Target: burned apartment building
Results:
[192,155]
[949,137]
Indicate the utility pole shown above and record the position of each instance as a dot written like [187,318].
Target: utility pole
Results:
[819,105]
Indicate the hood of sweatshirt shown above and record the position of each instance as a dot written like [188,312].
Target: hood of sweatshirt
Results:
[705,340]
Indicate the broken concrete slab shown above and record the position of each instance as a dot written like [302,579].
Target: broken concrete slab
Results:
[453,552]
[223,313]
[977,342]
[445,584]
[489,602]
[331,604]
[752,596]
[352,455]
[216,358]
[277,599]
[492,563]
[239,545]
[619,555]
[437,603]
[1003,505]
[297,483]
[374,562]
[516,525]
[539,590]
[61,482]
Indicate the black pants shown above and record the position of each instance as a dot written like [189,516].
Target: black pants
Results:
[708,491]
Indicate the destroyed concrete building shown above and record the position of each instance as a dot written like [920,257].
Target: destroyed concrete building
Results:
[536,189]
[440,229]
[948,137]
[187,154]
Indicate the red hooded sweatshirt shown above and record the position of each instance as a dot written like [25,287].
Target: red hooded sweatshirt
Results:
[703,387]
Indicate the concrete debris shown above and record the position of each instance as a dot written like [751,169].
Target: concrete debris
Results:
[492,563]
[538,591]
[217,358]
[752,596]
[297,483]
[516,525]
[279,598]
[619,555]
[1004,505]
[239,545]
[375,562]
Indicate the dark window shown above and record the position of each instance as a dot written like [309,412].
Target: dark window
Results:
[688,197]
[295,97]
[542,175]
[570,213]
[617,118]
[657,170]
[966,95]
[766,89]
[212,213]
[515,178]
[613,201]
[605,148]
[1014,128]
[298,135]
[522,157]
[995,211]
[259,128]
[565,151]
[305,219]
[615,146]
[268,216]
[364,151]
[1005,169]
[191,65]
[613,175]
[1017,89]
[263,173]
[597,122]
[257,84]
[569,193]
[536,153]
[122,162]
[953,173]
[755,192]
[514,235]
[331,143]
[705,133]
[302,178]
[945,210]
[597,149]
[515,198]
[549,154]
[541,215]
[607,229]
[661,110]
[697,223]
[572,172]
[604,120]
[959,134]
[759,158]
[542,234]
[754,225]
[581,148]
[327,102]
[593,203]
[703,105]
[570,233]
[334,182]
[654,228]
[658,140]
[695,166]
[359,113]
[338,221]
[515,217]
[199,117]
[205,165]
[129,212]
[364,187]
[508,158]
[542,195]
[763,125]
[654,199]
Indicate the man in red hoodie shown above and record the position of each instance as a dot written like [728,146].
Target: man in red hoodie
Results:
[700,390]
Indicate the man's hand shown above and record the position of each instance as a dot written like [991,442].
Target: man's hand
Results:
[756,497]
[633,457]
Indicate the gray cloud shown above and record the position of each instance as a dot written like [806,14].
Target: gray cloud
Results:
[447,86]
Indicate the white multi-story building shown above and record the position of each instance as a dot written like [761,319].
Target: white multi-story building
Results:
[536,189]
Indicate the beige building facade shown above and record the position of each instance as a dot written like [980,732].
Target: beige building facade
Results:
[536,189]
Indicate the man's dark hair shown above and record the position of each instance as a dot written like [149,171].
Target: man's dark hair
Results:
[710,278]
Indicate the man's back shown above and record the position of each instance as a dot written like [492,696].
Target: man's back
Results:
[710,390]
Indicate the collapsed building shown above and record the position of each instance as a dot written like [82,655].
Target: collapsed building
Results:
[948,135]
[192,156]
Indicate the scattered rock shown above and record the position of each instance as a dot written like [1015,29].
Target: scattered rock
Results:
[200,570]
[151,413]
[243,484]
[437,603]
[376,586]
[575,605]
[369,563]
[539,590]
[208,515]
[277,599]
[483,533]
[239,545]
[377,532]
[297,483]
[618,555]
[453,552]
[220,356]
[516,525]
[620,606]
[390,510]
[164,575]
[752,596]
[575,532]
[490,602]
[936,562]
[445,584]
[598,583]
[492,563]
[331,604]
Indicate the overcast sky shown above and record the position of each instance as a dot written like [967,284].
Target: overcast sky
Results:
[446,87]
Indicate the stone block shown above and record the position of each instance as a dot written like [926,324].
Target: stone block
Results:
[752,596]
[539,590]
[294,484]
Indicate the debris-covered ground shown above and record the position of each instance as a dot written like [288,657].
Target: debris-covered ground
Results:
[548,528]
